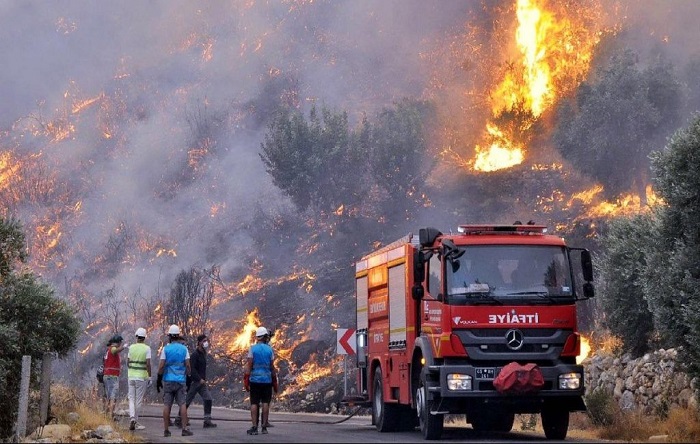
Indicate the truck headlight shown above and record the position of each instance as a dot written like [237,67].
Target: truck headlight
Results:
[570,381]
[457,381]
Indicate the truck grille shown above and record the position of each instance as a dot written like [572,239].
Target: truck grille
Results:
[495,344]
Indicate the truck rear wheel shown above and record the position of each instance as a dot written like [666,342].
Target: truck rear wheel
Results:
[555,422]
[430,425]
[385,416]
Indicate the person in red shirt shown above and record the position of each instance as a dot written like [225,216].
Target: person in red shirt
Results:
[112,370]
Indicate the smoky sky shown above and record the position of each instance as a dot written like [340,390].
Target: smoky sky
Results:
[172,79]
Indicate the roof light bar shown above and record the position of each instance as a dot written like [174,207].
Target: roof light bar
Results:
[502,229]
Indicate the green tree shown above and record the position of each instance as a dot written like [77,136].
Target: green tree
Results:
[12,248]
[619,120]
[32,321]
[400,162]
[621,268]
[673,285]
[315,162]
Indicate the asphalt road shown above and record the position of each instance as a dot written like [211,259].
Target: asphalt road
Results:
[305,428]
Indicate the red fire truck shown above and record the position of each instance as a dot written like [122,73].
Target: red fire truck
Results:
[481,322]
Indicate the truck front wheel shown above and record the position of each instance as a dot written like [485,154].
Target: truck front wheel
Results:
[555,422]
[385,416]
[430,425]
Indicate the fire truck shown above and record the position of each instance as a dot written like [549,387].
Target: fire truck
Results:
[481,323]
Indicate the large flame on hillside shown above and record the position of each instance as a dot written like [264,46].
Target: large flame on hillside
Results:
[554,55]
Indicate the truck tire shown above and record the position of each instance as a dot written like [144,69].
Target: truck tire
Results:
[492,422]
[430,425]
[385,416]
[555,422]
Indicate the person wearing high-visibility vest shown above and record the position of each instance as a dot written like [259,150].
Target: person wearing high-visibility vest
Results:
[139,374]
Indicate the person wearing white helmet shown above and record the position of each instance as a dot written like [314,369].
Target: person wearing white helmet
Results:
[258,378]
[139,374]
[173,370]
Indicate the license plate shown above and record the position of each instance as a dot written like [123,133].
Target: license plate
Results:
[486,373]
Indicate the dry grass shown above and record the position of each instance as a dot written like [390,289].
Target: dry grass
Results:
[610,422]
[89,407]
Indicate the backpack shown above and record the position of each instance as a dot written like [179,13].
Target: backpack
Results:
[100,374]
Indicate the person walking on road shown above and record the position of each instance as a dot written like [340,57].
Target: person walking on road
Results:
[112,370]
[173,370]
[258,378]
[199,379]
[139,374]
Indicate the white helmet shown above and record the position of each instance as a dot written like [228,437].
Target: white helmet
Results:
[141,332]
[174,330]
[260,332]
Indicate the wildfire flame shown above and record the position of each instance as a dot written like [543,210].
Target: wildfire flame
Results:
[244,339]
[585,349]
[555,52]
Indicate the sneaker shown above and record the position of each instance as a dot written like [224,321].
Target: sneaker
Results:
[208,424]
[264,431]
[140,426]
[166,433]
[187,432]
[132,425]
[252,431]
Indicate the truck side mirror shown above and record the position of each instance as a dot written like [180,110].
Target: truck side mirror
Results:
[427,236]
[587,265]
[417,292]
[418,267]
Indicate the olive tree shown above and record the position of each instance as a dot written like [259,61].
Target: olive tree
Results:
[673,272]
[32,321]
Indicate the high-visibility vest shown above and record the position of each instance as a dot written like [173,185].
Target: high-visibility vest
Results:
[138,354]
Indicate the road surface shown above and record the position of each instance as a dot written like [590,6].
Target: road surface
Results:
[306,428]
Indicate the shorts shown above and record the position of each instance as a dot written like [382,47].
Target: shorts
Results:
[260,392]
[174,392]
[111,387]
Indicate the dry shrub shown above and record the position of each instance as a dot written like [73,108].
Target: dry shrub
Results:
[89,407]
[580,421]
[630,426]
[682,425]
[602,408]
[528,421]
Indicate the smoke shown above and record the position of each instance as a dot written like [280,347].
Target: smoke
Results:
[152,113]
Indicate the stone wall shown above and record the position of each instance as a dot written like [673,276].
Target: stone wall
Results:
[652,383]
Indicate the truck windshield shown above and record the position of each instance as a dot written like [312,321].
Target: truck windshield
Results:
[509,274]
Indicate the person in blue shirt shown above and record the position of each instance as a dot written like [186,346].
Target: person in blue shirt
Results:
[173,370]
[260,378]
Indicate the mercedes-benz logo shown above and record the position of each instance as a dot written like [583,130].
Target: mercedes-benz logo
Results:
[514,339]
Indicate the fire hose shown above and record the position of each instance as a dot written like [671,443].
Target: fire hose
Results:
[340,421]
